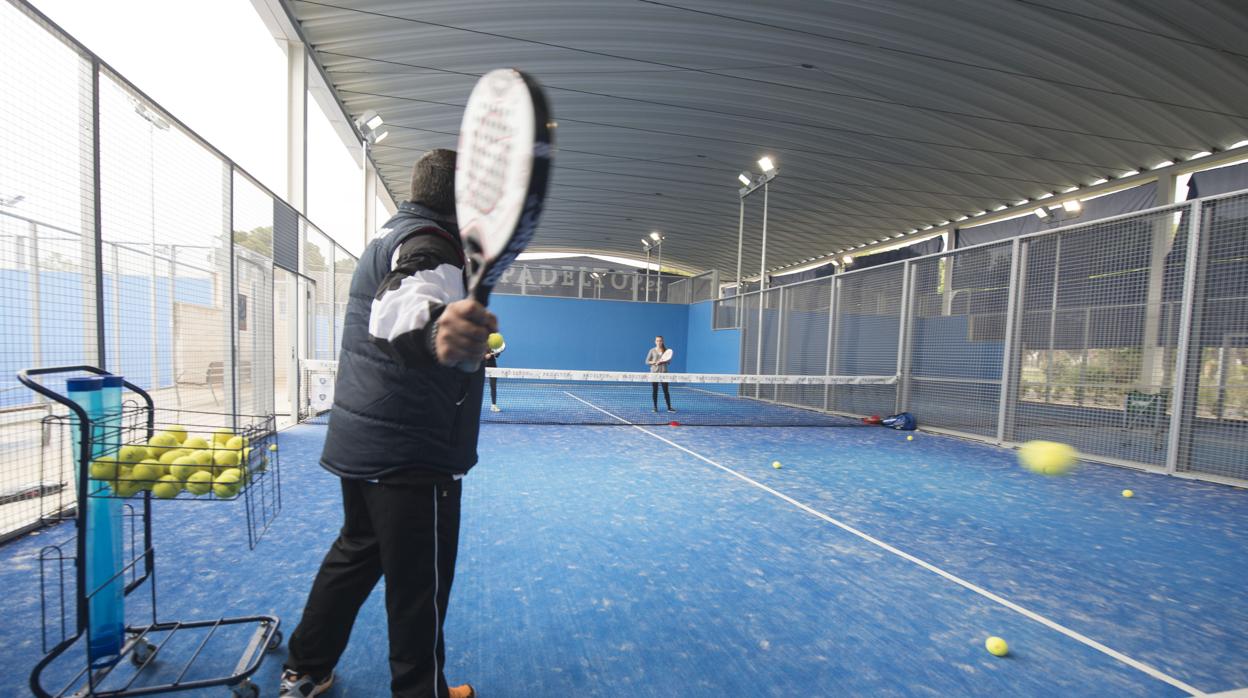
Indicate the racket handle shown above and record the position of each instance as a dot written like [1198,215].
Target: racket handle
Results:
[469,366]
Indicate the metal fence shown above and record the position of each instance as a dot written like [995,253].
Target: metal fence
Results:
[127,242]
[1126,337]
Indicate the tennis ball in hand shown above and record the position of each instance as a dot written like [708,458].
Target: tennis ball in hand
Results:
[167,487]
[226,485]
[177,431]
[997,647]
[1128,494]
[495,341]
[1047,457]
[199,483]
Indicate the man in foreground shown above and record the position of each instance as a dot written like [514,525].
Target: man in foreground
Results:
[402,434]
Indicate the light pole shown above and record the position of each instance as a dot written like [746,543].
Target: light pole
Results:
[646,244]
[656,240]
[749,186]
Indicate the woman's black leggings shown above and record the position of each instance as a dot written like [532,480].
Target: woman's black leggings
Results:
[654,395]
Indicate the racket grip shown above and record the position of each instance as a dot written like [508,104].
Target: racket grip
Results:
[469,366]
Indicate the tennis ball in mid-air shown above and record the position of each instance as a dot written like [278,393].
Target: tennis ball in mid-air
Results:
[272,447]
[199,483]
[1047,457]
[178,432]
[167,487]
[495,341]
[910,437]
[775,464]
[996,646]
[1128,494]
[196,443]
[226,485]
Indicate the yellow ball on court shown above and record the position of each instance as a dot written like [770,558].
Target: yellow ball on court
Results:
[495,341]
[1128,494]
[1047,457]
[997,647]
[775,464]
[910,438]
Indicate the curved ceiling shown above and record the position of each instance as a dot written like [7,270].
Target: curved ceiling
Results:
[882,115]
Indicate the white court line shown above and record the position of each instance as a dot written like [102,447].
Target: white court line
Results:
[1053,625]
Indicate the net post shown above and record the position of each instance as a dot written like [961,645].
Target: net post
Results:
[1009,364]
[901,398]
[1187,367]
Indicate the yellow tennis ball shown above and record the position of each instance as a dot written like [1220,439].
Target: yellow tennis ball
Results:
[199,483]
[775,464]
[178,432]
[226,485]
[132,453]
[910,437]
[105,468]
[202,458]
[495,341]
[272,447]
[1047,457]
[145,473]
[221,435]
[183,468]
[168,457]
[225,458]
[1128,494]
[996,646]
[167,487]
[160,444]
[196,443]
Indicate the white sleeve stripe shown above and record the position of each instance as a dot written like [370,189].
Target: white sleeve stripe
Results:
[406,308]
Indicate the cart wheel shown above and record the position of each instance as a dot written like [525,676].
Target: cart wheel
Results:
[142,653]
[275,641]
[246,689]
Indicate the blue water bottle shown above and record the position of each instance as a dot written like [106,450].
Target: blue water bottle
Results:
[104,584]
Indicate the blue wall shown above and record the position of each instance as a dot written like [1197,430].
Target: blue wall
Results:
[711,351]
[592,335]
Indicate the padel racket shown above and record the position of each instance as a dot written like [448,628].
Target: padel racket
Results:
[506,144]
[667,356]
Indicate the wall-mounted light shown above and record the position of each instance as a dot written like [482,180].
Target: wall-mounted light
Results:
[1073,207]
[765,164]
[745,180]
[1041,213]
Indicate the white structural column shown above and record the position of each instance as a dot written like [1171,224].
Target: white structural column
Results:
[296,124]
[370,199]
[1153,369]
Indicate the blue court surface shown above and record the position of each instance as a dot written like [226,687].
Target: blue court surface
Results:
[618,561]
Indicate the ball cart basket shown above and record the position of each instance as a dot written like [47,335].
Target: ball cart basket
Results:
[100,631]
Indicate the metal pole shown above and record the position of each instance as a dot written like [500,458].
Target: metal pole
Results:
[647,279]
[762,283]
[901,396]
[658,278]
[1009,363]
[1185,372]
[762,272]
[740,240]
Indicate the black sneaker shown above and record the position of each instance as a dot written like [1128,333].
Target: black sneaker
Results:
[297,685]
[671,409]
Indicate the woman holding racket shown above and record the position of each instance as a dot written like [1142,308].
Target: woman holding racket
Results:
[658,358]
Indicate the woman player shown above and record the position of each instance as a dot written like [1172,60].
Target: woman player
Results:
[658,358]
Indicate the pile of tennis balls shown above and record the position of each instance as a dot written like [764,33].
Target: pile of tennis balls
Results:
[173,461]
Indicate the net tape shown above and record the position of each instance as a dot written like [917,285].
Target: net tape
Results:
[540,374]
